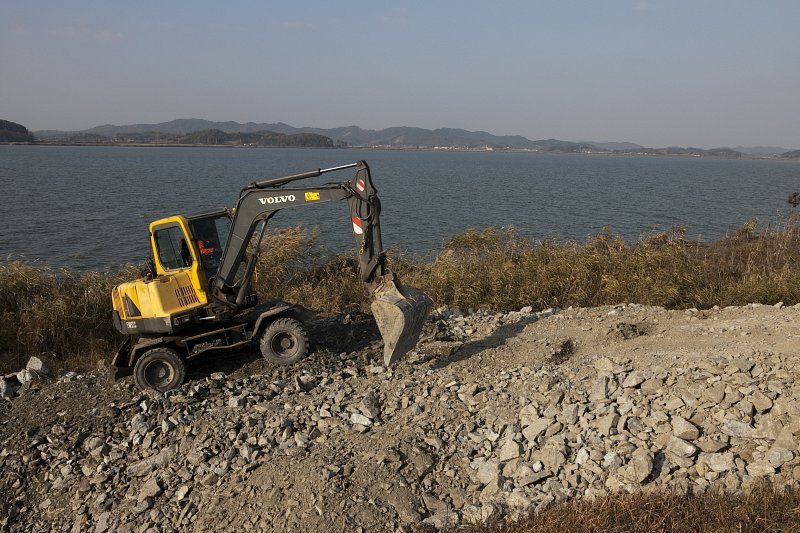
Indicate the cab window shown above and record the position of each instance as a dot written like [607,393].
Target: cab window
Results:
[211,235]
[172,248]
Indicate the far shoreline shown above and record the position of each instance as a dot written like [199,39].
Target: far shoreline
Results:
[411,149]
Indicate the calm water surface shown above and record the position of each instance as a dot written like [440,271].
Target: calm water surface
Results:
[89,207]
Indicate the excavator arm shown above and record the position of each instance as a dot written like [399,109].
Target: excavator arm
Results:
[399,311]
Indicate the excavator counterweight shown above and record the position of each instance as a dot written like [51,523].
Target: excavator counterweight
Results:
[197,296]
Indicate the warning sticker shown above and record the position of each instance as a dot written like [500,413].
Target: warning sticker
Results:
[360,185]
[358,227]
[312,196]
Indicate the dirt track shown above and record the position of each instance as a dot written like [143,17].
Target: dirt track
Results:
[494,413]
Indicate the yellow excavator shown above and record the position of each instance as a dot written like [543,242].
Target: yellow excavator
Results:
[196,295]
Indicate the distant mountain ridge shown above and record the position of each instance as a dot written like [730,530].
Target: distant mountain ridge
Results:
[394,137]
[352,135]
[761,150]
[402,137]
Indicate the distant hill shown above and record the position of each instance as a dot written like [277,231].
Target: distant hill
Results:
[259,138]
[201,137]
[183,126]
[614,145]
[761,150]
[175,127]
[394,137]
[13,132]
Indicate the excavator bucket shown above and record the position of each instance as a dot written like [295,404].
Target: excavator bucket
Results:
[400,313]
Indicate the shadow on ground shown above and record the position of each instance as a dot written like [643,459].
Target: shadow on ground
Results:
[496,339]
[354,334]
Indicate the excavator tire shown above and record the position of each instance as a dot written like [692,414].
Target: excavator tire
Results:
[284,341]
[161,369]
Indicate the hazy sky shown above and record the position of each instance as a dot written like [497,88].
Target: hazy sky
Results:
[703,73]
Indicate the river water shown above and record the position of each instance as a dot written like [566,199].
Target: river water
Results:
[89,207]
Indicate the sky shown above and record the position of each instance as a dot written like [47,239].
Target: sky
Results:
[701,73]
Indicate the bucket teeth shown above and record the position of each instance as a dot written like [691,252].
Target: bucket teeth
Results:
[400,313]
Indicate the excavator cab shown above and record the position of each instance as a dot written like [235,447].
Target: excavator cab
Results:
[181,243]
[186,255]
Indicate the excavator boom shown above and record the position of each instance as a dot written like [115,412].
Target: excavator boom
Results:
[399,311]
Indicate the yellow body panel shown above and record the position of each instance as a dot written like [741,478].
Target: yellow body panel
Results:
[157,298]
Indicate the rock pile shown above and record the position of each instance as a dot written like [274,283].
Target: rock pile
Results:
[12,385]
[494,413]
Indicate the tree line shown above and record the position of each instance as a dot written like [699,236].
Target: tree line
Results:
[13,132]
[210,137]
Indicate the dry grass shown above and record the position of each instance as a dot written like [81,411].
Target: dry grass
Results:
[764,509]
[502,270]
[294,268]
[59,315]
[66,316]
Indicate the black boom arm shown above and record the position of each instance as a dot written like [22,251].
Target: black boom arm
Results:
[259,202]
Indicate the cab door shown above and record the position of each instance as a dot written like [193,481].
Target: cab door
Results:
[176,259]
[171,247]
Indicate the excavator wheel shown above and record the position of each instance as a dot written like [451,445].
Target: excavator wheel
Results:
[284,341]
[161,369]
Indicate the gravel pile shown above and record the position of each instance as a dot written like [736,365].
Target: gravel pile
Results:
[495,413]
